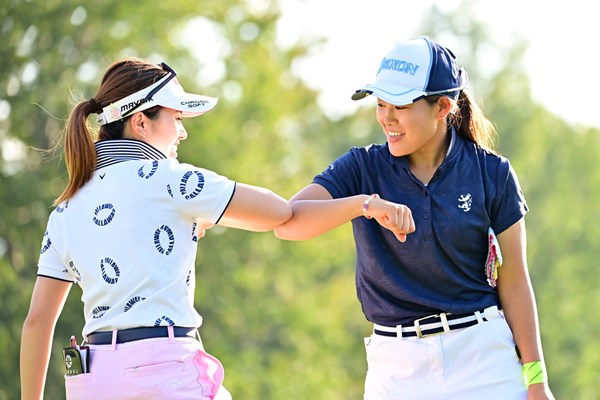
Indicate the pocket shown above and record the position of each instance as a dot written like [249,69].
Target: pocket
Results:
[168,367]
[78,387]
[210,373]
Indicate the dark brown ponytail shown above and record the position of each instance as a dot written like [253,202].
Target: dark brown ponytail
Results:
[470,122]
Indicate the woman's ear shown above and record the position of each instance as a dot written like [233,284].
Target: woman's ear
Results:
[445,105]
[135,126]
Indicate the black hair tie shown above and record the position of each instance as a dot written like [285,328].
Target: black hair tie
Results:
[94,107]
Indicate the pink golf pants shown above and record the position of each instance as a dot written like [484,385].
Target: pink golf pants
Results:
[160,368]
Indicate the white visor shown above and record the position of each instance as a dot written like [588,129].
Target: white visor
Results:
[171,95]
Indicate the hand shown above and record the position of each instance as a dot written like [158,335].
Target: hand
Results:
[395,217]
[539,391]
[201,226]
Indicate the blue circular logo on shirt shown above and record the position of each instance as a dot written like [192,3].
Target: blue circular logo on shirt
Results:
[104,214]
[46,244]
[183,185]
[194,235]
[114,270]
[168,320]
[75,271]
[133,301]
[159,239]
[142,174]
[62,208]
[99,311]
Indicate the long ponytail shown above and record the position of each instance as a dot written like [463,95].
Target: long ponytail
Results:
[472,124]
[80,155]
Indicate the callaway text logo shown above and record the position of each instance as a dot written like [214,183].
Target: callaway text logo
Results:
[398,65]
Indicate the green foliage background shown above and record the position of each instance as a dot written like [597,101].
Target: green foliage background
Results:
[282,316]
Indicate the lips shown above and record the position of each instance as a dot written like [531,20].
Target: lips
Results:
[395,134]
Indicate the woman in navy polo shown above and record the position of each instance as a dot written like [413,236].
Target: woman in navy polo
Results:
[438,223]
[125,229]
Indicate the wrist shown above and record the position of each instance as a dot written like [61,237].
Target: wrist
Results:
[367,204]
[534,372]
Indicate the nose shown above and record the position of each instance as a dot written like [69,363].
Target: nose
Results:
[389,115]
[182,134]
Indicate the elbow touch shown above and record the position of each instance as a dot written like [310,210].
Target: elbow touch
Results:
[282,216]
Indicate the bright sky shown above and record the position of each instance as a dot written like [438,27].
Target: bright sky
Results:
[562,60]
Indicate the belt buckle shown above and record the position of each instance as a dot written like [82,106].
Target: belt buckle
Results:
[418,330]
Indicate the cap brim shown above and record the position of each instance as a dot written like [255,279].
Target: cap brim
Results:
[393,94]
[170,95]
[191,105]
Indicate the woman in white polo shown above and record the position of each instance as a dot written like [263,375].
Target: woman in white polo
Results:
[125,229]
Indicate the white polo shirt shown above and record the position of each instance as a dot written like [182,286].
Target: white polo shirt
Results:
[128,237]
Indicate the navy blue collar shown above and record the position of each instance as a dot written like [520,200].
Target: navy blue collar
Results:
[111,152]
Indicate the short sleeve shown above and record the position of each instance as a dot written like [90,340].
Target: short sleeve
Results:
[340,177]
[50,263]
[509,205]
[198,192]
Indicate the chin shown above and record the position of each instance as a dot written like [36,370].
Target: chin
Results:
[398,153]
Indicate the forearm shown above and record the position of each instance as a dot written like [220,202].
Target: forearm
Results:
[36,340]
[519,307]
[311,218]
[255,209]
[47,301]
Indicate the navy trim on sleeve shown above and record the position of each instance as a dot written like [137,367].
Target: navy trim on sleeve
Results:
[56,279]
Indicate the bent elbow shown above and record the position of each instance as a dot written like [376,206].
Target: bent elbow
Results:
[280,233]
[288,232]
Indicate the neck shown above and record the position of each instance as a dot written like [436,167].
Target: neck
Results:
[433,153]
[424,163]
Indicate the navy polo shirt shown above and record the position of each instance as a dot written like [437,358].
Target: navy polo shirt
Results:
[441,266]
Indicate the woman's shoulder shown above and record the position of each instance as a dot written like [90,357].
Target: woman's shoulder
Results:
[369,151]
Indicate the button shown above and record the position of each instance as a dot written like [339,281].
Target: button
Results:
[426,215]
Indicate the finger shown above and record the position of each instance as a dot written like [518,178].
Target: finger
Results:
[407,221]
[401,237]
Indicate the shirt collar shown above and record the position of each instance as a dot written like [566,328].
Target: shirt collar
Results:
[110,152]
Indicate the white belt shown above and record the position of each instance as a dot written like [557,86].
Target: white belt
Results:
[438,323]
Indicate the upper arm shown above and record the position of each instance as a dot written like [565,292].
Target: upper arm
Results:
[513,245]
[313,191]
[48,298]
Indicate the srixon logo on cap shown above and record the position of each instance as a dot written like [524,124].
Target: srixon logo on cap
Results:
[398,65]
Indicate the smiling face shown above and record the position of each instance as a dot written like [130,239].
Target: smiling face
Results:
[165,132]
[413,128]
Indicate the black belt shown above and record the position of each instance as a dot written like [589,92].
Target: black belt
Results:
[433,324]
[132,334]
